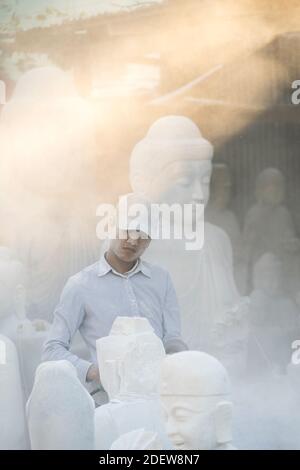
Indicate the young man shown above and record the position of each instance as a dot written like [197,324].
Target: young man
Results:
[120,284]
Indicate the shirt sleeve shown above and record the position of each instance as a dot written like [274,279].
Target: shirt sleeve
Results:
[68,317]
[171,318]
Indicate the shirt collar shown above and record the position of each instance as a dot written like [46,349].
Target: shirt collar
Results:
[104,268]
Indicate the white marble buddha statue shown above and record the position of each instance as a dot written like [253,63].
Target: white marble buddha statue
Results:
[173,164]
[195,395]
[27,335]
[60,411]
[274,318]
[47,182]
[13,432]
[269,226]
[129,360]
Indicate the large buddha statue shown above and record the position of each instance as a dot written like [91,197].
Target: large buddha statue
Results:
[60,411]
[195,395]
[47,198]
[129,361]
[274,318]
[173,164]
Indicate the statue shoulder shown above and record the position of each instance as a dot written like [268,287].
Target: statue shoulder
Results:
[217,236]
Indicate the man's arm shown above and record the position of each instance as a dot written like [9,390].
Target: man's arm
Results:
[171,321]
[68,317]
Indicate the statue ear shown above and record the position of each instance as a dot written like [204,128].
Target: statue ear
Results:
[223,418]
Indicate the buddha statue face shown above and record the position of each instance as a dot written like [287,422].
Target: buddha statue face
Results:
[270,187]
[191,422]
[182,182]
[194,394]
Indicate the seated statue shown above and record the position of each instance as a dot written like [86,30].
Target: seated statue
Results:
[60,412]
[48,151]
[274,318]
[13,434]
[218,212]
[269,226]
[27,335]
[173,165]
[195,395]
[129,360]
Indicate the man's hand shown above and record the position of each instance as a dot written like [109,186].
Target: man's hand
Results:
[93,374]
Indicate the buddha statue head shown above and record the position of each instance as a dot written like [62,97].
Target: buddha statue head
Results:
[129,359]
[47,131]
[195,394]
[270,187]
[267,274]
[172,164]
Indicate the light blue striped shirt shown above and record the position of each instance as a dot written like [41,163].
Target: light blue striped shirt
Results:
[94,297]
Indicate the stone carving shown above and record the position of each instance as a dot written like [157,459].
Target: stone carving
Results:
[173,164]
[269,226]
[195,395]
[274,318]
[60,412]
[27,335]
[48,148]
[129,360]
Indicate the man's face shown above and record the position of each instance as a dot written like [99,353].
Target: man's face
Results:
[129,245]
[189,422]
